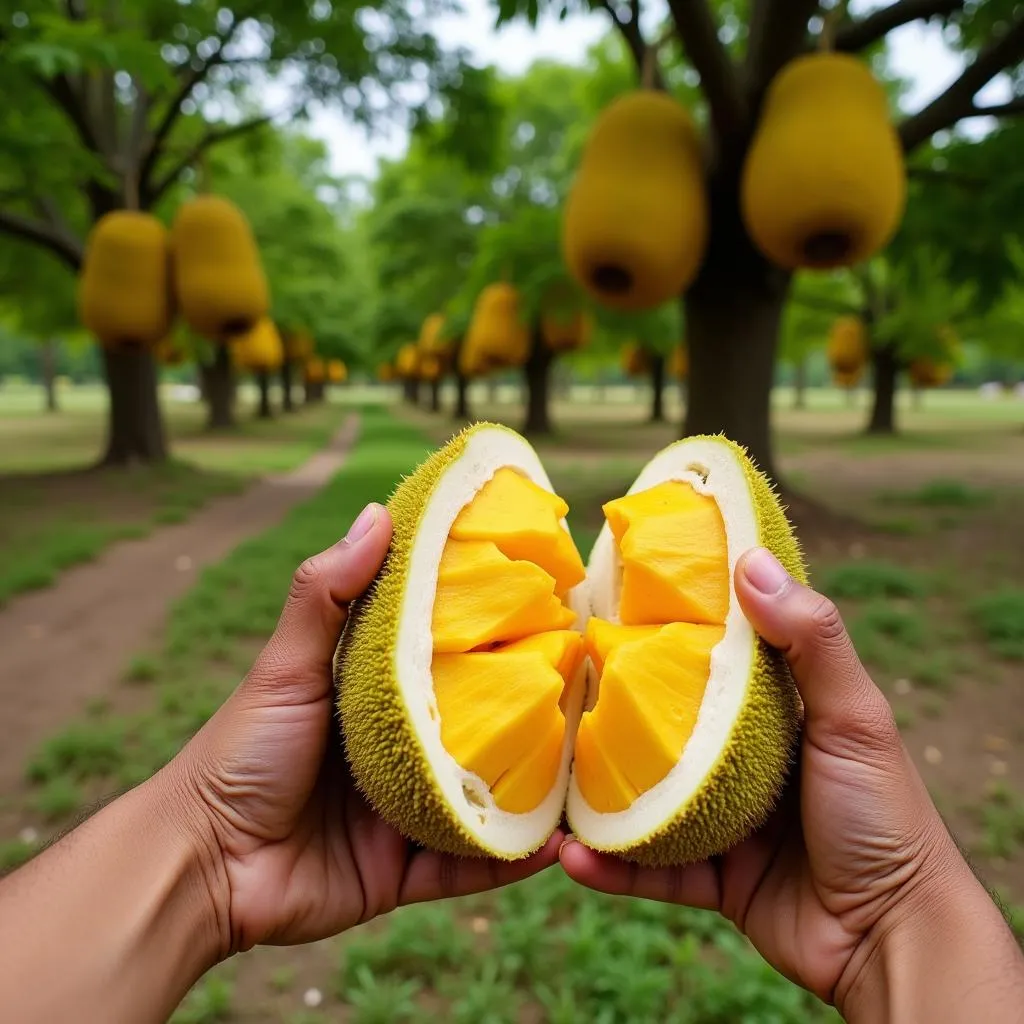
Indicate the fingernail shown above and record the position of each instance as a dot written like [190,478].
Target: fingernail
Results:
[364,524]
[570,838]
[764,572]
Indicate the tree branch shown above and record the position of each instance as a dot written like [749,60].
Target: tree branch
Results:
[778,32]
[62,92]
[1010,108]
[629,29]
[190,80]
[63,245]
[958,100]
[719,80]
[209,139]
[858,35]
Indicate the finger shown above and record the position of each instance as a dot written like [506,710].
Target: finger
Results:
[439,876]
[840,700]
[694,885]
[300,652]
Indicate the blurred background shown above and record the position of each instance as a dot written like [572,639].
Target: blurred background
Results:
[257,259]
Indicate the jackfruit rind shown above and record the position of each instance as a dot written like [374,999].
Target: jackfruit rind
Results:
[735,764]
[382,669]
[824,183]
[124,293]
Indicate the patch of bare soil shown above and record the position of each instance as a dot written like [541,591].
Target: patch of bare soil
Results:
[62,646]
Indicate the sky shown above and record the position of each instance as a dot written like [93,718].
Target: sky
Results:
[917,54]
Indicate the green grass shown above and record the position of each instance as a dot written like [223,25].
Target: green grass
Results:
[1002,822]
[143,668]
[283,978]
[207,1003]
[1000,617]
[57,799]
[14,853]
[865,579]
[942,494]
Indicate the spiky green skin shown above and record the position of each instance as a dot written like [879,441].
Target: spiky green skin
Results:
[746,781]
[391,767]
[386,757]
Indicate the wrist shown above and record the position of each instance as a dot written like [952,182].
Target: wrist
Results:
[942,952]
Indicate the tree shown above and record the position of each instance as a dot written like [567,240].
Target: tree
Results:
[734,308]
[117,103]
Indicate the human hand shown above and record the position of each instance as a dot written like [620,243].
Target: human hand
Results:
[293,852]
[856,858]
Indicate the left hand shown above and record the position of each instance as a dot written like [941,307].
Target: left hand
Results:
[293,851]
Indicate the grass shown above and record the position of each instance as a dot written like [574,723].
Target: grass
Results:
[1000,618]
[1002,822]
[550,948]
[863,580]
[14,853]
[56,515]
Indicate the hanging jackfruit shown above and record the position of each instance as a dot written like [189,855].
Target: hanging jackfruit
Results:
[848,349]
[824,183]
[407,361]
[218,276]
[315,371]
[497,336]
[124,294]
[298,346]
[170,351]
[432,340]
[679,363]
[488,681]
[929,373]
[258,349]
[847,378]
[635,360]
[337,371]
[566,330]
[430,368]
[636,220]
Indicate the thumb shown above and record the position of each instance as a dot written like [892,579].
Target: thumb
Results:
[845,711]
[298,656]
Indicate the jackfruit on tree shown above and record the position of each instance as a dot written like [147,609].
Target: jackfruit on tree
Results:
[124,294]
[497,337]
[385,373]
[218,276]
[258,349]
[488,682]
[635,360]
[407,361]
[824,183]
[432,340]
[298,346]
[430,368]
[337,371]
[314,371]
[928,373]
[566,330]
[679,363]
[636,221]
[848,348]
[847,378]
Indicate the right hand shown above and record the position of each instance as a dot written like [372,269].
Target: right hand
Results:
[857,847]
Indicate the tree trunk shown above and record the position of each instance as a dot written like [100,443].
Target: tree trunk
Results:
[435,396]
[537,375]
[263,382]
[411,390]
[800,384]
[461,397]
[287,405]
[884,367]
[219,390]
[48,372]
[657,387]
[314,392]
[135,427]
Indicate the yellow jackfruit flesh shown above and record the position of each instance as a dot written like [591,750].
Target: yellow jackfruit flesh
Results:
[824,183]
[124,294]
[218,275]
[507,668]
[635,224]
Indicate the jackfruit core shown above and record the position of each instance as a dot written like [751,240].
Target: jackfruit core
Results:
[508,653]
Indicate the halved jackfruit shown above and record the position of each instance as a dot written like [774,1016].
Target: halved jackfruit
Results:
[468,688]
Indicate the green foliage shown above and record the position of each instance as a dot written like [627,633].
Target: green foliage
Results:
[1002,822]
[57,799]
[381,1001]
[865,579]
[14,853]
[208,1002]
[939,494]
[1000,617]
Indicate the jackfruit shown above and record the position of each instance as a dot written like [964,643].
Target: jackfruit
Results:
[635,360]
[432,340]
[407,361]
[298,346]
[848,348]
[679,363]
[824,183]
[487,684]
[124,294]
[847,378]
[566,331]
[258,349]
[337,371]
[636,221]
[429,368]
[928,373]
[315,371]
[218,276]
[497,337]
[385,373]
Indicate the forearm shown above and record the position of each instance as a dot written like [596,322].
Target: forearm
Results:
[114,922]
[949,959]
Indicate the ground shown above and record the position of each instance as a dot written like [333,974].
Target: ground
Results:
[918,539]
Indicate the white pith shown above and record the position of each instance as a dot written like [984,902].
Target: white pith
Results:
[486,451]
[710,468]
[714,469]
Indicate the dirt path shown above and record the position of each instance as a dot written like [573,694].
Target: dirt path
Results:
[61,646]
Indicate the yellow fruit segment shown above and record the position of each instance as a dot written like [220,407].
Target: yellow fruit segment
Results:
[650,695]
[524,521]
[483,597]
[493,706]
[674,552]
[601,637]
[563,648]
[526,784]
